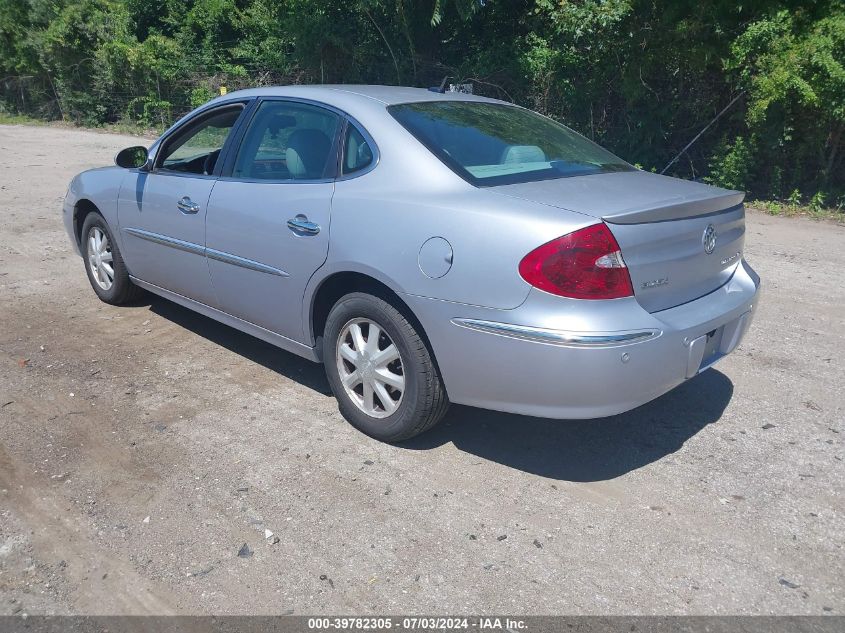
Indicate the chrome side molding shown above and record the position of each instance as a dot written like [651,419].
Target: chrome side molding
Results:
[243,262]
[557,337]
[211,253]
[164,240]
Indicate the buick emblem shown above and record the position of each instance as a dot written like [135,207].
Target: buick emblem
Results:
[709,239]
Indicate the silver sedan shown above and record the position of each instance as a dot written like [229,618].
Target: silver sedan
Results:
[427,248]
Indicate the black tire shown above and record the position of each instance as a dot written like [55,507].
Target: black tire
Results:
[122,289]
[423,403]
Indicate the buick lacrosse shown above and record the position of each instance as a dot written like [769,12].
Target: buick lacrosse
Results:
[427,248]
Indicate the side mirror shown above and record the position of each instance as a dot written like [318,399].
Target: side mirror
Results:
[131,157]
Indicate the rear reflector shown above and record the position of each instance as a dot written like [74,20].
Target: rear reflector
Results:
[586,264]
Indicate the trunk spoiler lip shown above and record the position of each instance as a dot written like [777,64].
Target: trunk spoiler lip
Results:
[679,209]
[700,203]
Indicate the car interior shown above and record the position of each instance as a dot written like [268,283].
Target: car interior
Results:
[357,153]
[196,150]
[287,141]
[284,141]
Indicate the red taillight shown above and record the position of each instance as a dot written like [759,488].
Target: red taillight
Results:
[586,264]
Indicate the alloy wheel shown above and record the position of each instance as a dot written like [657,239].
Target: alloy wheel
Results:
[100,258]
[370,368]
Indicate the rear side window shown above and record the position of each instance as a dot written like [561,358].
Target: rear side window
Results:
[357,153]
[287,140]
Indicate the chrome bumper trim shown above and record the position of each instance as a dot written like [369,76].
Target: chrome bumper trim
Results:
[557,337]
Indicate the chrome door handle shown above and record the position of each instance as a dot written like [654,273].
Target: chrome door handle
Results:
[300,224]
[188,206]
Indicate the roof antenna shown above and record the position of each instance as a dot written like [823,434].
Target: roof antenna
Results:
[442,88]
[706,127]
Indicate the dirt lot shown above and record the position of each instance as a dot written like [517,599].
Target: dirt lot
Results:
[141,447]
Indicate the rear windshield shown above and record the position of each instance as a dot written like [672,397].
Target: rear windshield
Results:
[497,144]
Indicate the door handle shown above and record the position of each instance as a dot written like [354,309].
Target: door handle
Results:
[301,224]
[188,206]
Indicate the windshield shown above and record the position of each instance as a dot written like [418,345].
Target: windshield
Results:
[497,144]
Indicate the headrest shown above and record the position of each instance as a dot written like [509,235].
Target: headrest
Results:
[307,153]
[523,154]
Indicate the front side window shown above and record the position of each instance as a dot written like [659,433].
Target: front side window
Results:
[288,141]
[495,144]
[195,149]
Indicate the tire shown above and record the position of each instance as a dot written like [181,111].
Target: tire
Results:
[121,290]
[422,401]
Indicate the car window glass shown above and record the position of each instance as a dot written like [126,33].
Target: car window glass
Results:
[196,149]
[288,141]
[357,153]
[498,144]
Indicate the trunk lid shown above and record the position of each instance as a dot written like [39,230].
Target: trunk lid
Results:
[664,226]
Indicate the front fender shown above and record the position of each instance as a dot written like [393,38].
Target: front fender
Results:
[100,187]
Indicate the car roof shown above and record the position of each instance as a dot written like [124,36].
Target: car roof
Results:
[365,104]
[341,95]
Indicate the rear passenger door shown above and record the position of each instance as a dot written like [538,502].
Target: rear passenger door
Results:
[267,228]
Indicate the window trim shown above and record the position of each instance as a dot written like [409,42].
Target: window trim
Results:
[198,118]
[228,165]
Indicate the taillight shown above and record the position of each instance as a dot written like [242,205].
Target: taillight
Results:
[585,264]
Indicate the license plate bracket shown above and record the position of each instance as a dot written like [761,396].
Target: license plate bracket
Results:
[708,348]
[712,348]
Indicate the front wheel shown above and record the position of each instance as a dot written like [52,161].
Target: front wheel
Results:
[104,265]
[380,369]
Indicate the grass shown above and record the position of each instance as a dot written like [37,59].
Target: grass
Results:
[792,210]
[130,128]
[17,119]
[120,127]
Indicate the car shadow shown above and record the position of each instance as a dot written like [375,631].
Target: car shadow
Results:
[288,365]
[585,450]
[566,450]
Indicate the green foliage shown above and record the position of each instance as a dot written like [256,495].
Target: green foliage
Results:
[732,166]
[641,77]
[793,66]
[150,112]
[465,8]
[200,95]
[817,202]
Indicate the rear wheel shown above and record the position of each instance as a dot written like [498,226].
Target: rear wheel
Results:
[380,369]
[103,263]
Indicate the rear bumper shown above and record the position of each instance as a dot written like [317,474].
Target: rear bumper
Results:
[560,358]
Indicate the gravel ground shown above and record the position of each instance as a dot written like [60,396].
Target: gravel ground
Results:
[142,447]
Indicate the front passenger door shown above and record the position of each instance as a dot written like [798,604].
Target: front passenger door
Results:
[162,213]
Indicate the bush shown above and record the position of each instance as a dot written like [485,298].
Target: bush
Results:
[641,77]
